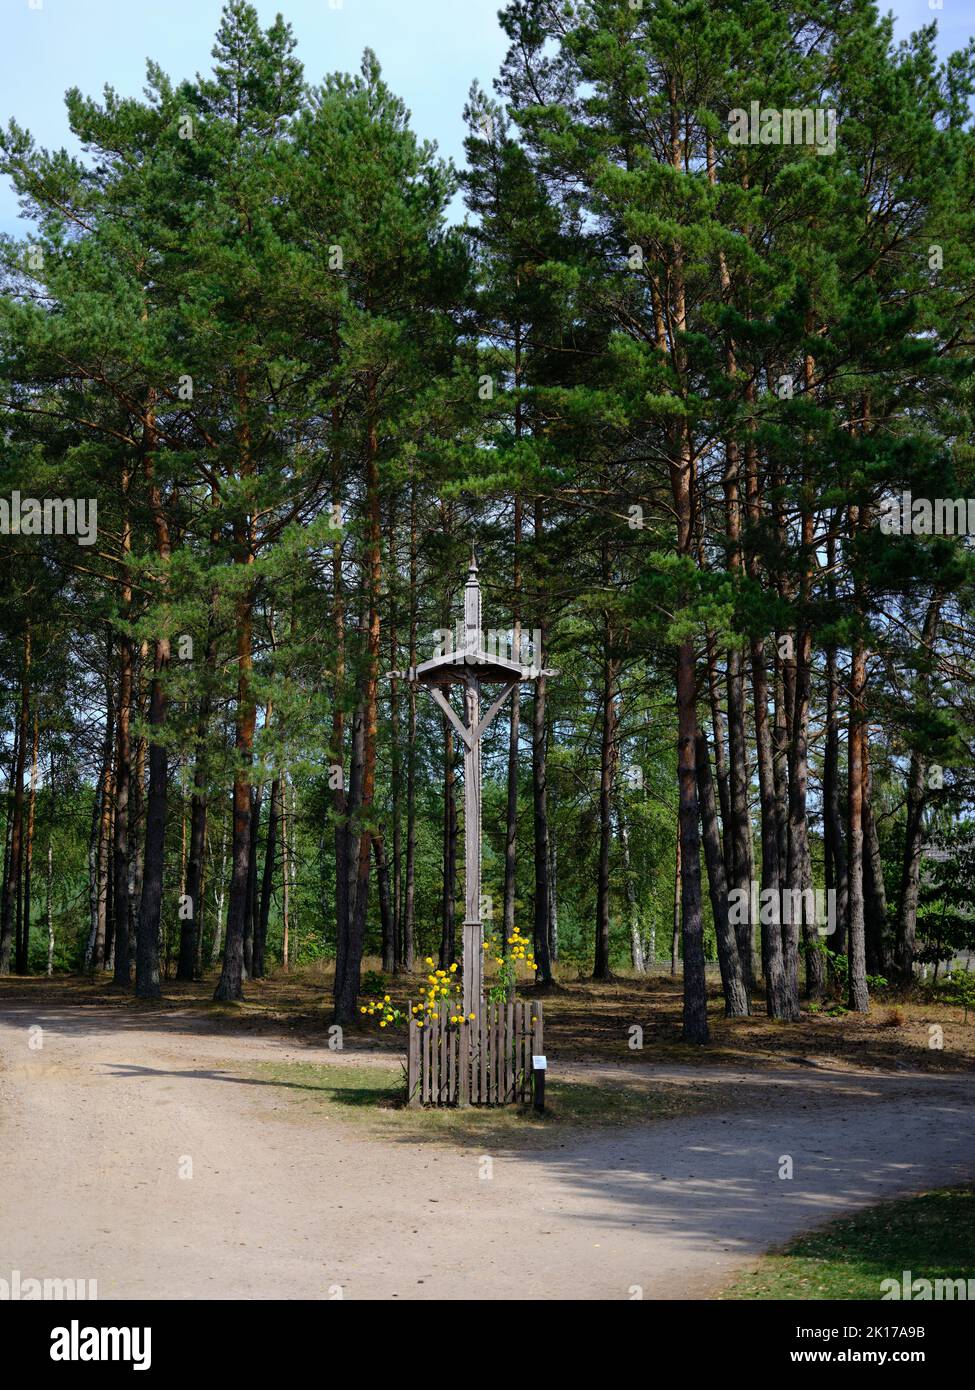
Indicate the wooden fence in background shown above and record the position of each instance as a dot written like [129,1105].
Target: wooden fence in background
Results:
[484,1062]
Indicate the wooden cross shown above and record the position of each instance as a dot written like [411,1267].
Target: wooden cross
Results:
[470,666]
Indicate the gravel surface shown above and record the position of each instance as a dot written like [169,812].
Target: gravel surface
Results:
[285,1201]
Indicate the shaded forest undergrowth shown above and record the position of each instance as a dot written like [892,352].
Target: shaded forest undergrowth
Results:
[584,1021]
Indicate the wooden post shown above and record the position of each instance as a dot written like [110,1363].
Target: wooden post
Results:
[413,1059]
[435,1057]
[443,1070]
[464,1065]
[510,1059]
[538,1077]
[473,959]
[489,1048]
[526,1051]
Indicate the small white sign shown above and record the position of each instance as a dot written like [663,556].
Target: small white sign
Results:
[540,1063]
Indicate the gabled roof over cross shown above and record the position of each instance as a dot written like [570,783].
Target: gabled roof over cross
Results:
[471,664]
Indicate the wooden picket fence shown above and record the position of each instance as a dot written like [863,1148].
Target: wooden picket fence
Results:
[484,1062]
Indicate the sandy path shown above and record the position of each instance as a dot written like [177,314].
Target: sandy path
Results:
[288,1203]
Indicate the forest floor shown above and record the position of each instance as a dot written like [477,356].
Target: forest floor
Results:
[304,1187]
[584,1021]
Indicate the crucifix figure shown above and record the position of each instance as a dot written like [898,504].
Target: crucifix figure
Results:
[471,667]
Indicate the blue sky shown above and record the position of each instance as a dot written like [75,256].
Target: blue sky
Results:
[430,51]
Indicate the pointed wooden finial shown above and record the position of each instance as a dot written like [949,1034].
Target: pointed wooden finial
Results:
[472,609]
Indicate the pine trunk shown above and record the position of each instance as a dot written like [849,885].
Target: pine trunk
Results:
[832,818]
[191,928]
[10,934]
[387,923]
[267,882]
[637,954]
[347,997]
[29,864]
[859,997]
[409,891]
[150,906]
[543,976]
[121,901]
[733,980]
[607,759]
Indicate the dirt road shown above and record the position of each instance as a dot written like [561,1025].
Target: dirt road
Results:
[98,1127]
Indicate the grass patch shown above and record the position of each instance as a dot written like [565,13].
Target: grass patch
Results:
[374,1094]
[932,1235]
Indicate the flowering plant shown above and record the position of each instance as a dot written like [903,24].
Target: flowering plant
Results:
[384,1009]
[442,985]
[519,950]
